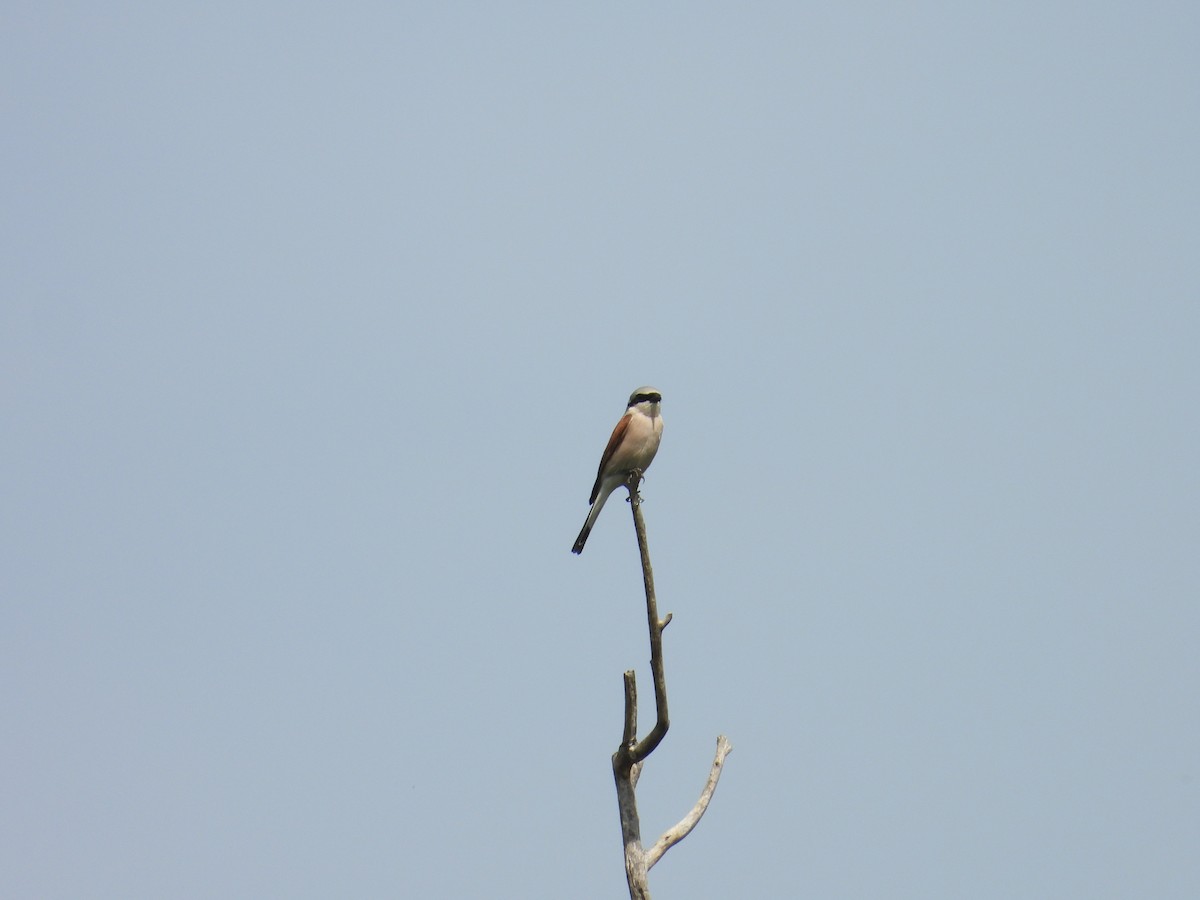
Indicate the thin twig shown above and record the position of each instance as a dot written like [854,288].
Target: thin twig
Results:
[683,828]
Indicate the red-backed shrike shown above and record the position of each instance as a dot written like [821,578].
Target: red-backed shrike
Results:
[632,446]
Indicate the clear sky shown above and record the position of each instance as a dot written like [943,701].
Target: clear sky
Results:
[314,321]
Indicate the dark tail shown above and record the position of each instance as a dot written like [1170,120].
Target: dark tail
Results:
[583,536]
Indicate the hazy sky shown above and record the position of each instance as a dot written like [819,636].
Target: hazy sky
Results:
[315,320]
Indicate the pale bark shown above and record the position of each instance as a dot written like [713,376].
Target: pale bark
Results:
[630,756]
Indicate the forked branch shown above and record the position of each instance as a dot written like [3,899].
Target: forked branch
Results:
[631,754]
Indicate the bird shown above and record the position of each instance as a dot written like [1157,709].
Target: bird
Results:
[632,447]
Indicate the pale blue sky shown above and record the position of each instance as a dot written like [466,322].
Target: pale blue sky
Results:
[316,320]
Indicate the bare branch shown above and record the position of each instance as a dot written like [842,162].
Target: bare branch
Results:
[662,722]
[630,756]
[629,738]
[631,833]
[683,828]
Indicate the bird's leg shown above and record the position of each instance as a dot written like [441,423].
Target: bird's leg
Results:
[632,481]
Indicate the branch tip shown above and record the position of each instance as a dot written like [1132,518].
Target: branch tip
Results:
[683,828]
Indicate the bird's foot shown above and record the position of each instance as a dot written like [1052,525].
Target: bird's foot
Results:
[632,480]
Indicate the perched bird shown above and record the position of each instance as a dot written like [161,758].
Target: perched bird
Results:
[632,446]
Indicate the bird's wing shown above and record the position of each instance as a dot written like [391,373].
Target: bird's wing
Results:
[614,442]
